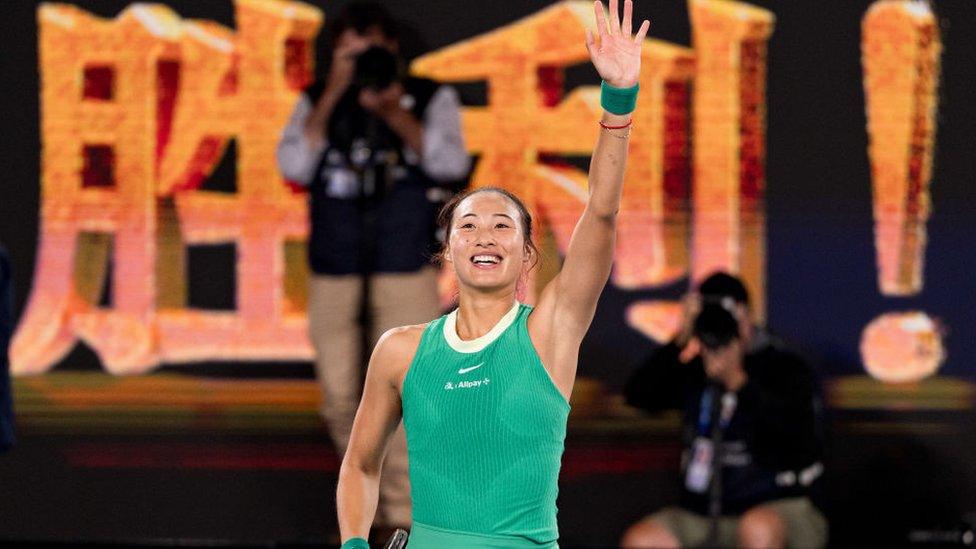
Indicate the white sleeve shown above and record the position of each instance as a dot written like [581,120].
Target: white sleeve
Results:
[445,158]
[296,158]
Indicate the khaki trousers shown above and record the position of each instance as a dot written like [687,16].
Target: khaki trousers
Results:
[806,527]
[334,304]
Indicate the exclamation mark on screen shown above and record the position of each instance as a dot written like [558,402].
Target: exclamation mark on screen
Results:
[900,53]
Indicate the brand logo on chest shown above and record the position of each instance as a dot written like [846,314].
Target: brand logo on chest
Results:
[467,383]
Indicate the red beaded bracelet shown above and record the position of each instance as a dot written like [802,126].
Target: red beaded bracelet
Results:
[606,127]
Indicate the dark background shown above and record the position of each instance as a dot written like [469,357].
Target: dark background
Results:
[888,469]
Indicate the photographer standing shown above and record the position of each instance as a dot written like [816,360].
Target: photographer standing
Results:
[372,145]
[751,438]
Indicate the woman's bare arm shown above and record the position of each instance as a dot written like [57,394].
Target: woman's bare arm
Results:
[377,418]
[569,302]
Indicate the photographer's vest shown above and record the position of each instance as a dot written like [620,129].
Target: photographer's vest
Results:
[369,208]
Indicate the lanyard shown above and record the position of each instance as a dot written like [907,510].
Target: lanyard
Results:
[729,401]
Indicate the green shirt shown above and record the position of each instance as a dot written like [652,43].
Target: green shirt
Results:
[485,430]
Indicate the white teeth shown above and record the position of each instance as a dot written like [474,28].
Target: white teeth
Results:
[485,259]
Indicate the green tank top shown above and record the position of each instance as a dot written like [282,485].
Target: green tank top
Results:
[485,430]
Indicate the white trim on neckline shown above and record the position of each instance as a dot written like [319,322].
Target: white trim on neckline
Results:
[477,344]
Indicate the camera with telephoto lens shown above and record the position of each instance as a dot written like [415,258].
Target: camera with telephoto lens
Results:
[716,325]
[370,153]
[376,69]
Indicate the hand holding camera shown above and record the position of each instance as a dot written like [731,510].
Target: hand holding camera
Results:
[690,306]
[383,103]
[348,48]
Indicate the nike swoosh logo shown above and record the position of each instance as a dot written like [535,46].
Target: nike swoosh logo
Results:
[466,370]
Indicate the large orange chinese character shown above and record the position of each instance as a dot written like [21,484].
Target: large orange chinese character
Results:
[729,141]
[137,110]
[272,62]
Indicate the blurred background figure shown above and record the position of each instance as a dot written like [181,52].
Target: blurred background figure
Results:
[376,150]
[6,330]
[749,405]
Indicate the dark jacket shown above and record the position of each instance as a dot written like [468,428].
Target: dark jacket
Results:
[774,430]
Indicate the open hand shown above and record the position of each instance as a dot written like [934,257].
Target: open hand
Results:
[614,52]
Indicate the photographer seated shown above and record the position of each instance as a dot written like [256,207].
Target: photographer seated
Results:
[749,404]
[377,151]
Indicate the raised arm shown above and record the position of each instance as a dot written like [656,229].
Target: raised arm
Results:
[377,418]
[616,54]
[567,305]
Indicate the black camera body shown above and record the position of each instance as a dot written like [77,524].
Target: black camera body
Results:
[369,148]
[716,325]
[376,69]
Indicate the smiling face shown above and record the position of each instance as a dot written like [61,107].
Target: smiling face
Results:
[487,242]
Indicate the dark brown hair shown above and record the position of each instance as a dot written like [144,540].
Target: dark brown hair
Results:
[363,17]
[445,220]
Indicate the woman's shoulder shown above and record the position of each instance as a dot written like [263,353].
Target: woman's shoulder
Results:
[398,345]
[395,350]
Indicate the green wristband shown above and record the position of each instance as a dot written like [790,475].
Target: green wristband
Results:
[355,543]
[618,100]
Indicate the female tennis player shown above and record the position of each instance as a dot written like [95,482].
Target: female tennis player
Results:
[483,391]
